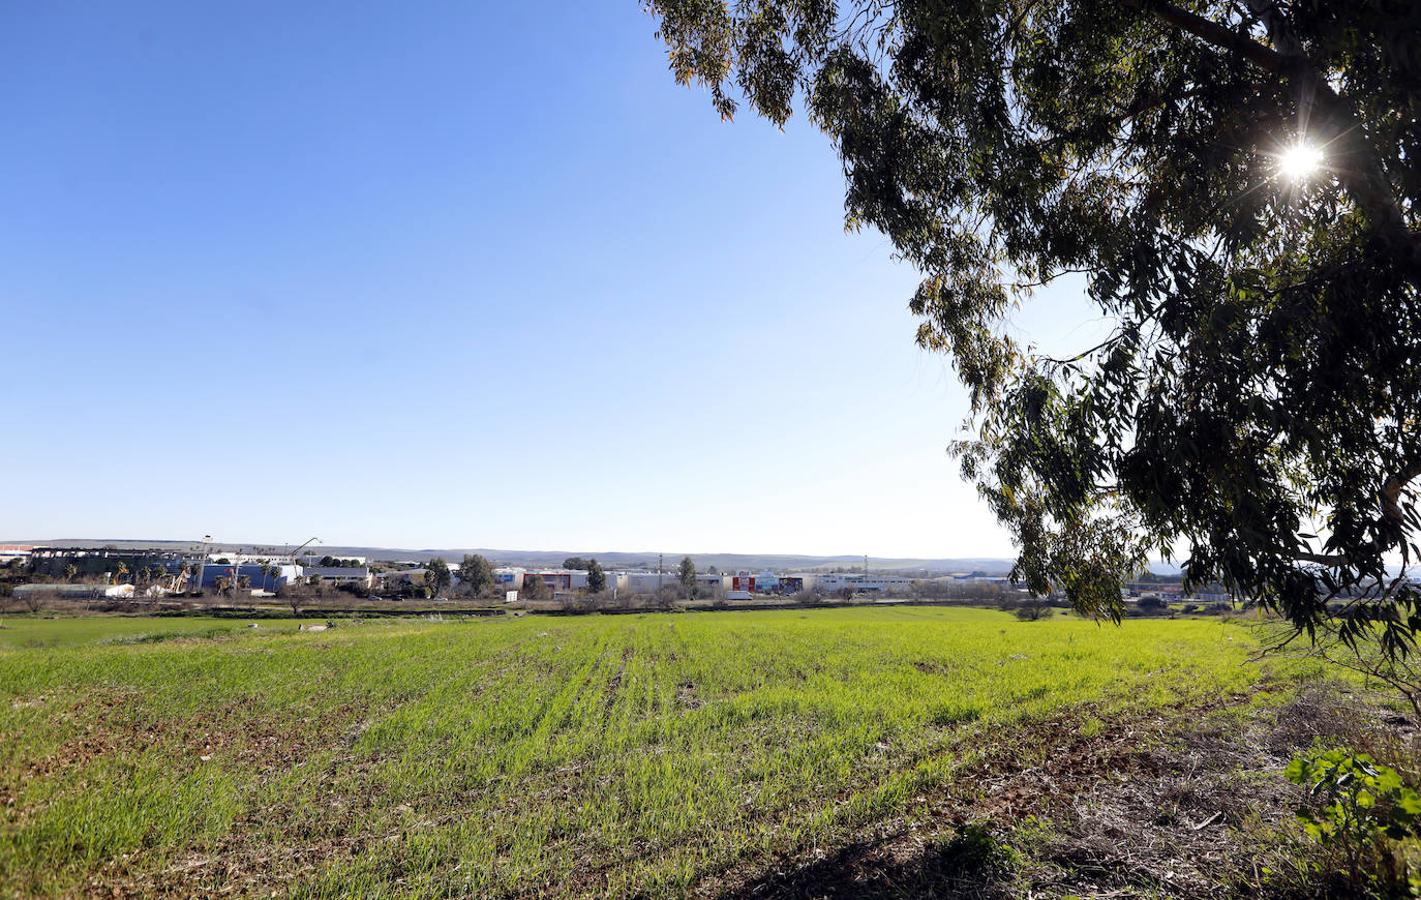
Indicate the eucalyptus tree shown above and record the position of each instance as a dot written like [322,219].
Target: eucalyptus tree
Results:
[596,577]
[533,588]
[475,573]
[437,576]
[1234,184]
[686,574]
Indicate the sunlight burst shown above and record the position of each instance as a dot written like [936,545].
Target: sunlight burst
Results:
[1299,162]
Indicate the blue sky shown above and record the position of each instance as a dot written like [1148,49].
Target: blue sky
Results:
[445,274]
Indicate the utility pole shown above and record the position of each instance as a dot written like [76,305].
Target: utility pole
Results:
[660,562]
[865,565]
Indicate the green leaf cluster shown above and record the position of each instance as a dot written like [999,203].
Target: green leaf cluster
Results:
[1253,410]
[1361,807]
[1355,797]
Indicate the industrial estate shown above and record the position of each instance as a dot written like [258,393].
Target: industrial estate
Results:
[174,575]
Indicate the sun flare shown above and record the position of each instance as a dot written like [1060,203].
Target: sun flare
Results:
[1299,162]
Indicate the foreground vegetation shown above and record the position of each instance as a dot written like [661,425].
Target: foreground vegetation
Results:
[646,753]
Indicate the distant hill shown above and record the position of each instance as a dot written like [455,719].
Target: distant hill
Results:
[608,558]
[613,559]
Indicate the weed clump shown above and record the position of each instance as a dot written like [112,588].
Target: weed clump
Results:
[1362,809]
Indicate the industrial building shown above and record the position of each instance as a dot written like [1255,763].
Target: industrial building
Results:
[766,582]
[508,577]
[645,582]
[837,582]
[400,577]
[559,580]
[338,575]
[9,552]
[259,576]
[651,582]
[75,591]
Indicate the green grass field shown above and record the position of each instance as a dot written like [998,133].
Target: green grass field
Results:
[590,755]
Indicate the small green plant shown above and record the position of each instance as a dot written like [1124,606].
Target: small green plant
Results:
[1357,805]
[975,857]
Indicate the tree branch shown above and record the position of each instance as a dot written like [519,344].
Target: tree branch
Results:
[1366,180]
[1392,488]
[1212,32]
[1333,560]
[1390,498]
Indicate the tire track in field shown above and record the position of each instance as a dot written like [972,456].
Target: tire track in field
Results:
[557,712]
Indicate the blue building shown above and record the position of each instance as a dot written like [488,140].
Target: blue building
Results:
[207,574]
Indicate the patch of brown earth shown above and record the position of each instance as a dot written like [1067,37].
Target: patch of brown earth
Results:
[687,697]
[1186,803]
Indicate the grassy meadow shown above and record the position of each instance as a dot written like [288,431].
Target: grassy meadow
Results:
[593,755]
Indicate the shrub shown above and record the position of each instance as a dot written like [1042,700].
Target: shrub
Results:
[1033,611]
[667,595]
[1359,806]
[296,595]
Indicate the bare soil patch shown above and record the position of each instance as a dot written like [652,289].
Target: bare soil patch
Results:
[1187,802]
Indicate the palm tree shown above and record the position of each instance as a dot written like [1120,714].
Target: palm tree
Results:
[120,571]
[70,571]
